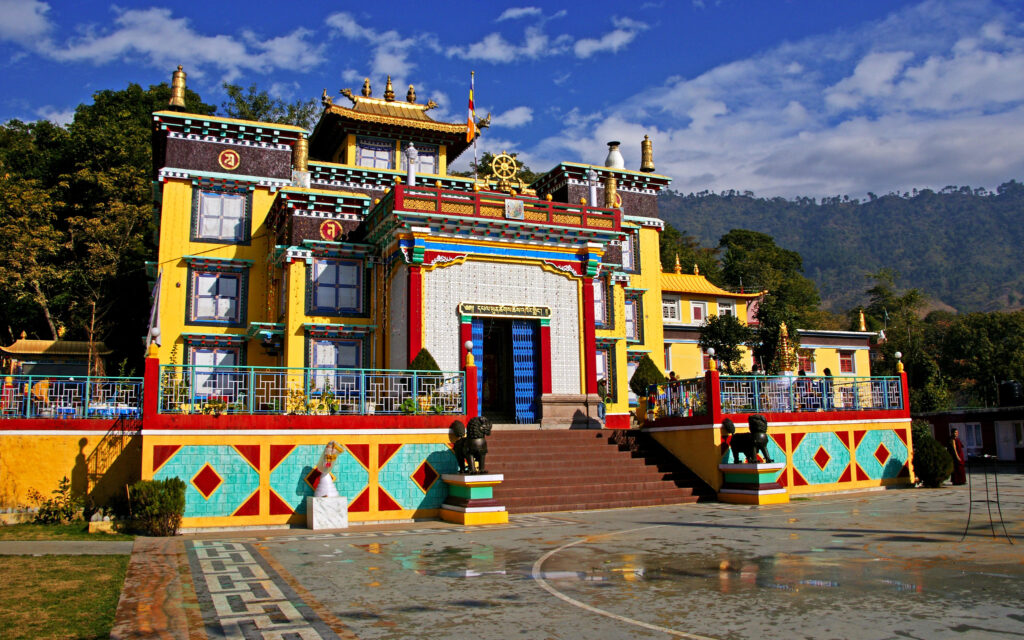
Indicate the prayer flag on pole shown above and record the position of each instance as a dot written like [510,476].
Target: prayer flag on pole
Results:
[471,122]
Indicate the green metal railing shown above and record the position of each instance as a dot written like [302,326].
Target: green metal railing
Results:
[70,397]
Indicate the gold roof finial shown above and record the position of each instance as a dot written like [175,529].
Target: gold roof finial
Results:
[696,269]
[612,199]
[389,91]
[177,89]
[410,96]
[783,330]
[646,155]
[23,335]
[863,324]
[366,87]
[679,267]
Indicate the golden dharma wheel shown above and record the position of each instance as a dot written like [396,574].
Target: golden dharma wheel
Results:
[503,166]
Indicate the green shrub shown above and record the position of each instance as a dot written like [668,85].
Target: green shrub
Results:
[424,362]
[157,506]
[61,508]
[646,374]
[932,463]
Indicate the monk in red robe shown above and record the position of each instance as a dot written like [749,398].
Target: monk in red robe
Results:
[956,449]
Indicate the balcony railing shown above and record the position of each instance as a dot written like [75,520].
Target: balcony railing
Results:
[780,394]
[70,397]
[682,398]
[190,389]
[788,394]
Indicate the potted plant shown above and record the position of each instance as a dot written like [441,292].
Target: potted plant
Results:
[424,362]
[646,375]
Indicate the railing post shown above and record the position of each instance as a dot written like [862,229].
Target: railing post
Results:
[714,396]
[905,393]
[469,395]
[757,395]
[151,388]
[87,396]
[362,392]
[28,398]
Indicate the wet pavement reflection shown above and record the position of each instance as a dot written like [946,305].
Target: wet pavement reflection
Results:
[879,565]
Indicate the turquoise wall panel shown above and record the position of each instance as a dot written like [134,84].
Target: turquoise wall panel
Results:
[395,476]
[838,458]
[238,479]
[288,479]
[890,449]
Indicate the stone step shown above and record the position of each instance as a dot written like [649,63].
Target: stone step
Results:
[537,507]
[645,489]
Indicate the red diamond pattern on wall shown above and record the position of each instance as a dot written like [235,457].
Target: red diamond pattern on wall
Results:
[207,481]
[881,454]
[424,476]
[821,458]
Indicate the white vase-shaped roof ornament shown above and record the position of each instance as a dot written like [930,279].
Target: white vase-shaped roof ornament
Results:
[614,159]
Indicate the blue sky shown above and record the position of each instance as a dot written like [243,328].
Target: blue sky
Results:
[797,97]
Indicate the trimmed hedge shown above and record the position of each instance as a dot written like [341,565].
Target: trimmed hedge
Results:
[932,463]
[424,362]
[646,374]
[157,506]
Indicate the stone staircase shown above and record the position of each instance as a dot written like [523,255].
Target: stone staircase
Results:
[572,470]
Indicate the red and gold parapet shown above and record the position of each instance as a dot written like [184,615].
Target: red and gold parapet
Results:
[536,217]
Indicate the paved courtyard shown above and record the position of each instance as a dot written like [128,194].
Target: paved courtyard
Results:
[884,564]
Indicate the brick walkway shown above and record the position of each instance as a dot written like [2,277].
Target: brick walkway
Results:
[158,600]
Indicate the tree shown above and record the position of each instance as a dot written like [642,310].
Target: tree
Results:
[684,246]
[726,334]
[77,218]
[753,260]
[258,105]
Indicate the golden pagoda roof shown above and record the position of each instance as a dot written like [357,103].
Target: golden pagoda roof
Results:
[25,347]
[394,112]
[689,283]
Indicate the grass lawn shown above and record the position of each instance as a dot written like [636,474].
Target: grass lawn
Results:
[59,596]
[74,531]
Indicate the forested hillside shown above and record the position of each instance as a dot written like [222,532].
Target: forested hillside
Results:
[960,246]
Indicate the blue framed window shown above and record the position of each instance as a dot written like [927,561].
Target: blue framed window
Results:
[602,309]
[221,216]
[210,377]
[329,354]
[376,153]
[427,161]
[336,286]
[216,297]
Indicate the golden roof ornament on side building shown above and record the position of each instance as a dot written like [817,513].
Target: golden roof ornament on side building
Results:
[178,89]
[679,267]
[696,269]
[863,324]
[410,95]
[366,87]
[646,155]
[389,91]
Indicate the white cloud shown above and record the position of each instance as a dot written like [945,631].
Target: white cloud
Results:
[922,98]
[518,12]
[24,21]
[390,52]
[161,40]
[626,30]
[516,117]
[55,115]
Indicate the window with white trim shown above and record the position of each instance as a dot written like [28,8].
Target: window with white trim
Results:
[216,297]
[632,320]
[221,216]
[376,153]
[630,370]
[805,358]
[629,252]
[215,372]
[426,160]
[329,354]
[670,309]
[600,303]
[970,433]
[698,312]
[847,362]
[336,286]
[726,308]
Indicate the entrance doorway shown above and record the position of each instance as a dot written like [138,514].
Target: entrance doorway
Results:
[508,356]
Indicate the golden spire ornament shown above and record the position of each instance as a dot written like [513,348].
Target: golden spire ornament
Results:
[389,91]
[646,155]
[178,89]
[679,267]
